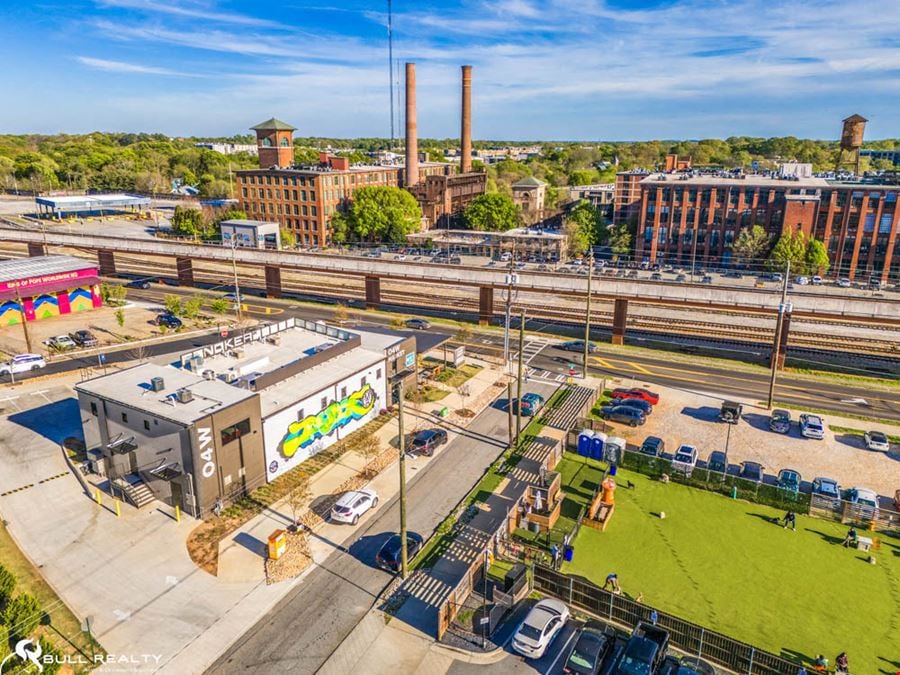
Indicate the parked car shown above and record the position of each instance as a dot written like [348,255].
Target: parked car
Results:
[685,459]
[843,282]
[780,421]
[531,403]
[864,500]
[731,412]
[418,324]
[718,461]
[752,471]
[352,505]
[84,338]
[234,297]
[22,363]
[656,276]
[706,279]
[827,490]
[811,426]
[653,446]
[790,480]
[816,280]
[594,642]
[637,403]
[637,392]
[425,442]
[388,558]
[577,346]
[681,278]
[801,280]
[645,650]
[61,343]
[875,440]
[168,320]
[143,284]
[733,275]
[623,414]
[539,628]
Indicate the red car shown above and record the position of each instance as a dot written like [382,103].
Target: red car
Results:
[643,394]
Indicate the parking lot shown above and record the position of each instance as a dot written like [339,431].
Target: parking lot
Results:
[692,418]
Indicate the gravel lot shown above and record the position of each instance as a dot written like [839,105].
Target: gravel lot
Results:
[683,417]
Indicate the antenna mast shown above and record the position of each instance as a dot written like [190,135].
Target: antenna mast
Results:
[391,69]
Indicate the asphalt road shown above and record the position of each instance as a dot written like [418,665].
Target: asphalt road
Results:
[300,633]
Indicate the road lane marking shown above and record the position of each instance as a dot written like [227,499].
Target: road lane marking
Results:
[639,367]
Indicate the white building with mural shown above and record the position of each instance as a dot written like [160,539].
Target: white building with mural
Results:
[238,413]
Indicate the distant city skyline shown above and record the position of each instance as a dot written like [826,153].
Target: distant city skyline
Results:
[552,70]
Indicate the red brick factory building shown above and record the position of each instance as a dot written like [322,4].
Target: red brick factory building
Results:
[684,214]
[303,199]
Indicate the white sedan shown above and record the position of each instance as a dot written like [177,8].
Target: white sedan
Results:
[352,505]
[875,440]
[539,628]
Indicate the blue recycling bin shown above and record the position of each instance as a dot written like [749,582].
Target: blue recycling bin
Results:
[568,552]
[596,448]
[584,444]
[612,469]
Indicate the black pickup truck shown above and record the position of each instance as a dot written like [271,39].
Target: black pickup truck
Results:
[645,651]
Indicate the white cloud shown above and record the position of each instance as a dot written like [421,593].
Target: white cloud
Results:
[194,10]
[123,67]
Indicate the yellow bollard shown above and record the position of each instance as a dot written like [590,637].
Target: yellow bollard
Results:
[177,513]
[118,509]
[97,496]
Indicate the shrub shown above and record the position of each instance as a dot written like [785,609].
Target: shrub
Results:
[22,615]
[51,667]
[7,584]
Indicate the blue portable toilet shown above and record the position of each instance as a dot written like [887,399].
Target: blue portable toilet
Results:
[597,446]
[584,442]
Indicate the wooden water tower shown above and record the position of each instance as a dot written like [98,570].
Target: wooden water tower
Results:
[851,142]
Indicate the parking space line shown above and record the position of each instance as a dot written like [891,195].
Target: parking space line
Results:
[18,489]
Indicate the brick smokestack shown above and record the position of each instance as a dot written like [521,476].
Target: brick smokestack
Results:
[412,139]
[466,130]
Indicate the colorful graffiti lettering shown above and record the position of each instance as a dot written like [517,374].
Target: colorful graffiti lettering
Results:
[338,414]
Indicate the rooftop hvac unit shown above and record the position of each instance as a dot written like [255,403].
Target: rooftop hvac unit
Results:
[209,374]
[236,353]
[185,396]
[230,376]
[157,384]
[274,340]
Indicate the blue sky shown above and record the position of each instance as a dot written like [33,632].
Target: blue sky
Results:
[549,69]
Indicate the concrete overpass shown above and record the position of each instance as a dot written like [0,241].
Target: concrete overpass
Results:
[485,279]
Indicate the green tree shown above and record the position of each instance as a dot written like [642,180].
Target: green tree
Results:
[4,642]
[751,245]
[51,657]
[220,306]
[492,212]
[585,227]
[816,258]
[340,227]
[583,177]
[173,305]
[7,584]
[189,222]
[620,238]
[287,237]
[382,213]
[113,294]
[22,615]
[190,308]
[120,317]
[790,248]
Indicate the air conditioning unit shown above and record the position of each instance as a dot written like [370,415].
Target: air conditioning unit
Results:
[236,353]
[209,374]
[230,376]
[185,395]
[157,384]
[274,340]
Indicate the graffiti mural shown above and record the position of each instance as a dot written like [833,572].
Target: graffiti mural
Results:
[10,313]
[81,299]
[336,415]
[46,306]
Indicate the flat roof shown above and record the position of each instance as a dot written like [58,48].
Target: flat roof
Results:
[244,222]
[748,180]
[258,358]
[131,387]
[92,202]
[40,266]
[475,236]
[318,169]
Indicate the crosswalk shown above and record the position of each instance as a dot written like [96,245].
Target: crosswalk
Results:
[545,376]
[531,349]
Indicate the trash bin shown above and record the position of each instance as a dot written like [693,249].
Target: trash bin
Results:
[568,552]
[612,469]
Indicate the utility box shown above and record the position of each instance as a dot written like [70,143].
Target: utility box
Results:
[277,544]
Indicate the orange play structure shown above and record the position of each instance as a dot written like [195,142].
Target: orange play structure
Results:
[602,506]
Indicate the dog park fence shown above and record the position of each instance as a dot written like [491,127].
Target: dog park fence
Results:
[695,640]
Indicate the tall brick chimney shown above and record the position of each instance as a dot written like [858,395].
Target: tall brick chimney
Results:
[411,175]
[465,165]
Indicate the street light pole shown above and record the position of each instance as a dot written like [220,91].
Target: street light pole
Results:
[24,323]
[519,387]
[404,559]
[783,307]
[509,410]
[587,317]
[509,295]
[237,288]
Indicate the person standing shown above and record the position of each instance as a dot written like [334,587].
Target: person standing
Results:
[842,663]
[654,617]
[554,553]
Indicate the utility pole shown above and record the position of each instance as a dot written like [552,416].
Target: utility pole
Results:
[404,560]
[510,278]
[521,364]
[24,323]
[509,410]
[587,317]
[237,288]
[783,307]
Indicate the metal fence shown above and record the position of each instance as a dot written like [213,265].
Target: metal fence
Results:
[684,635]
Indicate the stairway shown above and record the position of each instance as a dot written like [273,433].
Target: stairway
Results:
[135,490]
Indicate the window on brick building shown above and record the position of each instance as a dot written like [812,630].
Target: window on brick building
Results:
[312,195]
[884,227]
[312,211]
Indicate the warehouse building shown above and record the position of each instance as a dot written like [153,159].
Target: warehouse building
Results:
[46,286]
[238,413]
[86,206]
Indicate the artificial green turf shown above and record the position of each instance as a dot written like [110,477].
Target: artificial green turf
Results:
[723,564]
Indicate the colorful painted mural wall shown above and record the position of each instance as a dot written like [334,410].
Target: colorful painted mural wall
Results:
[297,433]
[48,305]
